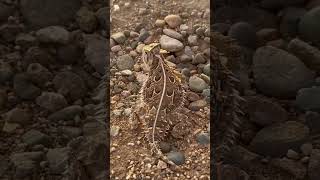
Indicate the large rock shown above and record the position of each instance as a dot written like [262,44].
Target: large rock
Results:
[308,99]
[309,26]
[278,73]
[51,101]
[244,33]
[275,140]
[308,54]
[96,52]
[53,34]
[264,112]
[24,88]
[70,85]
[42,13]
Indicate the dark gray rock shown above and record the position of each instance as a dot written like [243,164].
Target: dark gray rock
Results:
[58,159]
[102,17]
[308,99]
[51,101]
[6,72]
[176,157]
[34,137]
[70,85]
[244,33]
[264,112]
[24,88]
[308,54]
[203,138]
[313,122]
[53,34]
[278,73]
[275,140]
[290,20]
[38,55]
[197,105]
[66,114]
[296,168]
[95,52]
[309,26]
[87,20]
[38,74]
[19,116]
[197,84]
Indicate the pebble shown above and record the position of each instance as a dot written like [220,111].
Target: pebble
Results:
[66,114]
[309,26]
[172,33]
[206,69]
[19,116]
[53,34]
[193,40]
[176,157]
[24,88]
[119,37]
[125,62]
[173,20]
[244,33]
[165,147]
[310,55]
[170,44]
[70,85]
[199,59]
[34,137]
[291,154]
[197,105]
[203,138]
[114,131]
[58,159]
[116,48]
[160,23]
[51,101]
[308,99]
[306,149]
[197,84]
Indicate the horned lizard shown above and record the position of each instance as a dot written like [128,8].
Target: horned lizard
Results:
[160,112]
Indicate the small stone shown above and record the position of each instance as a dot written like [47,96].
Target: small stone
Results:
[306,149]
[291,154]
[66,114]
[203,138]
[197,84]
[34,137]
[53,34]
[165,147]
[206,69]
[191,96]
[160,23]
[172,33]
[51,101]
[193,40]
[114,131]
[176,157]
[173,20]
[199,59]
[305,160]
[119,37]
[19,116]
[125,62]
[161,165]
[87,20]
[116,48]
[197,105]
[58,160]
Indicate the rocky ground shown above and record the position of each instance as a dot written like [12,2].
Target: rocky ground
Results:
[182,28]
[52,57]
[280,80]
